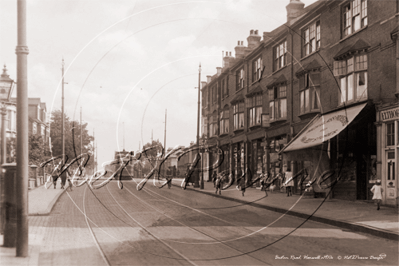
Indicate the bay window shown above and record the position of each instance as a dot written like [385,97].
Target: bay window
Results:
[213,125]
[278,102]
[224,121]
[309,90]
[352,73]
[238,115]
[254,105]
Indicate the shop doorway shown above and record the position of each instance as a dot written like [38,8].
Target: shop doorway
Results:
[390,184]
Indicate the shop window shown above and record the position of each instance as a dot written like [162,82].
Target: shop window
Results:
[354,16]
[390,134]
[352,74]
[311,38]
[224,121]
[257,67]
[280,55]
[278,102]
[238,115]
[309,91]
[240,74]
[254,105]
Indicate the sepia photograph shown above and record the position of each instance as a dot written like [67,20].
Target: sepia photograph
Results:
[199,132]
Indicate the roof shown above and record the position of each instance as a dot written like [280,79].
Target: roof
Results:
[359,45]
[314,64]
[43,106]
[276,81]
[34,101]
[237,98]
[256,90]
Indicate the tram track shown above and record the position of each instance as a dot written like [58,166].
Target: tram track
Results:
[98,243]
[216,241]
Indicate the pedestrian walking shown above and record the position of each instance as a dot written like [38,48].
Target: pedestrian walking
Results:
[63,180]
[69,180]
[263,184]
[218,184]
[288,186]
[242,184]
[55,174]
[169,178]
[214,177]
[377,193]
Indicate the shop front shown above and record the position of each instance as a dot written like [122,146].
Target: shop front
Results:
[339,145]
[238,159]
[388,152]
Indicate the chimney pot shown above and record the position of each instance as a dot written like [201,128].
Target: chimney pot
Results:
[251,32]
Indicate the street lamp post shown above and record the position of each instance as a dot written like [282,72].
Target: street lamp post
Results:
[6,85]
[5,94]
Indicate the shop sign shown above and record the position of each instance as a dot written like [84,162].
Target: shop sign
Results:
[324,127]
[392,114]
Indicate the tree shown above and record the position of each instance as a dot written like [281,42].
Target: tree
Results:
[38,150]
[72,132]
[11,146]
[152,153]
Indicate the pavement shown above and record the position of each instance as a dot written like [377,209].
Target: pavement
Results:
[356,216]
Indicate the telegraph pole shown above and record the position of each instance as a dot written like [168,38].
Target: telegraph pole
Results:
[81,131]
[62,115]
[22,51]
[164,138]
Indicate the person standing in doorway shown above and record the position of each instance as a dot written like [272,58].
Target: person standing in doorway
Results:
[377,193]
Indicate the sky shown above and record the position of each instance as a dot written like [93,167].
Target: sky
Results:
[127,62]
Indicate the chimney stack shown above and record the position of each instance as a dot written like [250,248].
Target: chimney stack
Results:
[219,70]
[253,39]
[227,59]
[208,79]
[240,50]
[203,84]
[294,9]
